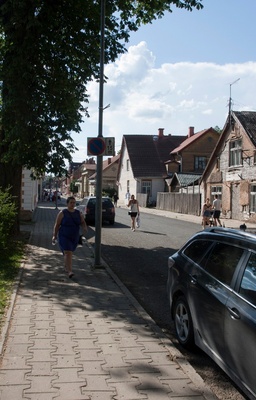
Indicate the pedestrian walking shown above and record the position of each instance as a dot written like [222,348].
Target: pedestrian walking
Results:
[217,209]
[206,213]
[115,198]
[134,210]
[67,229]
[128,195]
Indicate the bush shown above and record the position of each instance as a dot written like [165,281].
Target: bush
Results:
[8,215]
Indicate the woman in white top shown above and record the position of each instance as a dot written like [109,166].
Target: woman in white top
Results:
[134,211]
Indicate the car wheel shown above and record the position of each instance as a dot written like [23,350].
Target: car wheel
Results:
[183,323]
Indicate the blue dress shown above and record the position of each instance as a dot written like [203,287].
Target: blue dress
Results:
[69,230]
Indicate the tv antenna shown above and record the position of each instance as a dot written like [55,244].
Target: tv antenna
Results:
[230,98]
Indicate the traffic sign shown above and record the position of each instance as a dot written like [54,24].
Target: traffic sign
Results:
[96,146]
[110,146]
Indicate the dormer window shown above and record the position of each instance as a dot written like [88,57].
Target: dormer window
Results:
[235,153]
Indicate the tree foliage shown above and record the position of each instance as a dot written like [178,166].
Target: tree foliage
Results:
[49,51]
[8,213]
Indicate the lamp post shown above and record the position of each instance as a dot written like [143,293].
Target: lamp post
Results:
[98,209]
[56,195]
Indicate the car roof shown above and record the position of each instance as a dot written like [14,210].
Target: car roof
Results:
[94,197]
[233,235]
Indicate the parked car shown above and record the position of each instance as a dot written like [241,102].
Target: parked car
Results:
[87,207]
[212,292]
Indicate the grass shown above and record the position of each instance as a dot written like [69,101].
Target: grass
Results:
[10,264]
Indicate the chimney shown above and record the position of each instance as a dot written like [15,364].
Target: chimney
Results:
[109,160]
[160,132]
[191,131]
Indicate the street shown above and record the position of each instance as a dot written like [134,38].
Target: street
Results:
[139,259]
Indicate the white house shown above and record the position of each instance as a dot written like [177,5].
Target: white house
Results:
[142,168]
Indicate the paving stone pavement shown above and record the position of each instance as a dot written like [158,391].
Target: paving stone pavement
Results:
[85,338]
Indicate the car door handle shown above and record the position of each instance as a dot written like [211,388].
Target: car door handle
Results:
[234,313]
[193,279]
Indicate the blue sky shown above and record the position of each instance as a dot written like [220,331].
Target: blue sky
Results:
[177,73]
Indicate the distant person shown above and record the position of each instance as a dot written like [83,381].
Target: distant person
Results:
[116,198]
[217,209]
[206,212]
[134,210]
[67,228]
[128,196]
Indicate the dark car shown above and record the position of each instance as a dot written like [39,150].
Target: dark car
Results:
[87,207]
[212,292]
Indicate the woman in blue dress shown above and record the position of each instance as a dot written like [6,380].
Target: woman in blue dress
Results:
[67,228]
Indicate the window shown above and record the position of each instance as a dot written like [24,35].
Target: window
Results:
[128,186]
[199,163]
[223,261]
[127,165]
[235,153]
[196,250]
[253,198]
[146,187]
[248,284]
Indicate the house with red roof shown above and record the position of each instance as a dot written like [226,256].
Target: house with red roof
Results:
[150,164]
[109,175]
[188,161]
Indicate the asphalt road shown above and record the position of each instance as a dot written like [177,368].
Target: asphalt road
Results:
[140,259]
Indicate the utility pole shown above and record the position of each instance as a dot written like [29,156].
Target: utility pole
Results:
[98,209]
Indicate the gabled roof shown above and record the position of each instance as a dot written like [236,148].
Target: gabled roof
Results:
[148,153]
[185,180]
[89,167]
[190,140]
[247,119]
[107,164]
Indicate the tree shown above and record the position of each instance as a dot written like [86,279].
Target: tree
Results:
[217,128]
[49,51]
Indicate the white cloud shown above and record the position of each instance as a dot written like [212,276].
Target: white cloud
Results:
[175,96]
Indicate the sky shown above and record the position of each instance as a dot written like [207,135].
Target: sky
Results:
[179,71]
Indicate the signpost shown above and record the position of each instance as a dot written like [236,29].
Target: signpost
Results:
[99,146]
[96,146]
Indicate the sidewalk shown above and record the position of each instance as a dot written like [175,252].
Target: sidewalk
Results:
[227,222]
[85,338]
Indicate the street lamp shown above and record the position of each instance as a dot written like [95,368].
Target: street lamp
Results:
[56,195]
[98,209]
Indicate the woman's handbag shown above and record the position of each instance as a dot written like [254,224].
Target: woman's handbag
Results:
[81,240]
[137,221]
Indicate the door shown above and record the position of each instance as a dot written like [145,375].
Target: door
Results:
[240,327]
